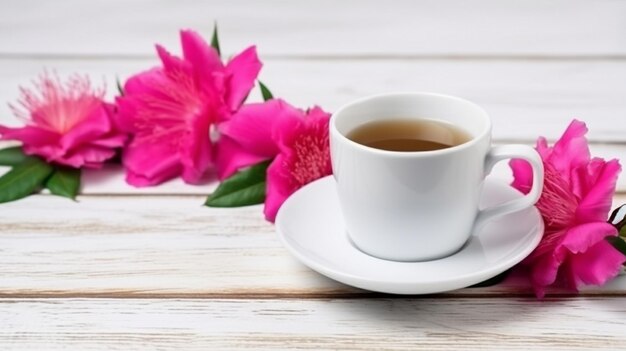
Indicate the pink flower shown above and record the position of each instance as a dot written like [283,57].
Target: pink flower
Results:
[296,140]
[169,110]
[574,204]
[66,124]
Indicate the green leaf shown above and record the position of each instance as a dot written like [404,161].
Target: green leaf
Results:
[617,243]
[12,156]
[492,281]
[23,179]
[614,219]
[65,181]
[246,187]
[618,219]
[120,89]
[215,42]
[267,94]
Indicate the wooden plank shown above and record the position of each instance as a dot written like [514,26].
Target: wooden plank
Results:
[110,180]
[159,245]
[162,246]
[520,96]
[327,28]
[324,324]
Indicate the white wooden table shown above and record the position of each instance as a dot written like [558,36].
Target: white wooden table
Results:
[152,269]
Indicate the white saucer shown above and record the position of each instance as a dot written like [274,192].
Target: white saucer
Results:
[310,225]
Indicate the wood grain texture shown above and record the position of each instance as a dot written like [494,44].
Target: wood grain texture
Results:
[519,95]
[110,180]
[329,28]
[128,268]
[165,246]
[144,245]
[324,324]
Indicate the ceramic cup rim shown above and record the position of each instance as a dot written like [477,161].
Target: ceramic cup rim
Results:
[337,135]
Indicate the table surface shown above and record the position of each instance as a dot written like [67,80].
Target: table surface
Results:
[127,268]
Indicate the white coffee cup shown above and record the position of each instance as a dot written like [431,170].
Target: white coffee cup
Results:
[422,205]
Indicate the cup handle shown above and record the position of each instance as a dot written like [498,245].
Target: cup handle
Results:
[502,152]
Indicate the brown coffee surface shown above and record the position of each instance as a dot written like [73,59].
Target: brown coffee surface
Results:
[409,135]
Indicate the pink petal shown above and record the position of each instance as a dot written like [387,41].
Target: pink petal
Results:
[113,111]
[242,70]
[583,179]
[567,277]
[127,110]
[522,175]
[203,57]
[544,266]
[317,116]
[571,150]
[171,63]
[145,82]
[543,149]
[543,273]
[111,141]
[231,156]
[89,156]
[196,150]
[597,265]
[252,126]
[29,135]
[95,125]
[596,203]
[295,134]
[138,88]
[150,164]
[317,112]
[278,188]
[286,131]
[35,141]
[581,237]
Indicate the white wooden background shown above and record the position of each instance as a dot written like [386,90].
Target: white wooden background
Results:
[152,269]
